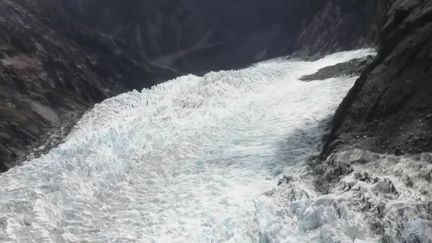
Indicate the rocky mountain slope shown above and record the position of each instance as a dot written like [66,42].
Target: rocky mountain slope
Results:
[390,107]
[194,36]
[338,25]
[51,70]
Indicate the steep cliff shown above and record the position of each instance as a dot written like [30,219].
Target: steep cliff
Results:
[390,107]
[51,70]
[195,36]
[338,25]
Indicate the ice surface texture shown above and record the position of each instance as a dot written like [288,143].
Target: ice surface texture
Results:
[195,159]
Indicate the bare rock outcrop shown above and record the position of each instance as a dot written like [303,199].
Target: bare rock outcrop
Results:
[390,107]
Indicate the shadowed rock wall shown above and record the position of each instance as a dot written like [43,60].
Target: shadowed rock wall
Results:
[390,107]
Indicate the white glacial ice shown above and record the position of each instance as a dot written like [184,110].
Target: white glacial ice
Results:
[195,159]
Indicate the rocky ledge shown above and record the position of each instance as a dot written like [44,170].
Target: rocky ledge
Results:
[351,68]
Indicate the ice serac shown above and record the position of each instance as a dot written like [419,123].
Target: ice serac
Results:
[390,195]
[195,159]
[390,107]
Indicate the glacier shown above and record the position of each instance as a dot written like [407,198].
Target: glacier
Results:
[195,159]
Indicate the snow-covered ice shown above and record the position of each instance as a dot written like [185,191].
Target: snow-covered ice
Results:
[195,159]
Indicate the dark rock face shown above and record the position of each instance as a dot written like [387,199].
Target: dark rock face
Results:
[51,70]
[390,107]
[195,36]
[351,68]
[338,25]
